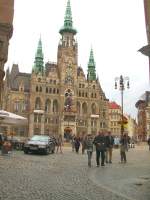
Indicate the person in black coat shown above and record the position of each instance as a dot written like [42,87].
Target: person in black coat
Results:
[148,141]
[77,144]
[100,143]
[109,147]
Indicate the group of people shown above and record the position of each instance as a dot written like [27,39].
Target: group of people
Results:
[103,143]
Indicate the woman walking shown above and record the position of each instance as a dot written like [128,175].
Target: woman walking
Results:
[59,142]
[89,147]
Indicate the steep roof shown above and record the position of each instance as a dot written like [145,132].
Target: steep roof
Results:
[114,105]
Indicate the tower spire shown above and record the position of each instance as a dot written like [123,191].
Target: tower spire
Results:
[38,62]
[91,67]
[68,23]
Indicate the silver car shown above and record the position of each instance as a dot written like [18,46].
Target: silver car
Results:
[40,144]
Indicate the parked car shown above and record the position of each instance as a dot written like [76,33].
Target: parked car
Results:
[40,144]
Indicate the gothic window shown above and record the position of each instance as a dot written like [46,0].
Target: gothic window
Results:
[79,94]
[93,86]
[92,95]
[55,82]
[82,94]
[47,105]
[80,85]
[95,95]
[50,90]
[37,89]
[104,113]
[55,106]
[78,107]
[57,91]
[16,106]
[38,103]
[86,94]
[54,91]
[84,108]
[40,89]
[46,89]
[93,108]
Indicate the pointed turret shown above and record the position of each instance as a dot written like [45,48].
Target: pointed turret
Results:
[38,63]
[91,67]
[68,23]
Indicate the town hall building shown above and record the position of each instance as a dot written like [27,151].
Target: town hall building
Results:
[58,98]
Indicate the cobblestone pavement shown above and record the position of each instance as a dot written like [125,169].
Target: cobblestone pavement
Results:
[67,177]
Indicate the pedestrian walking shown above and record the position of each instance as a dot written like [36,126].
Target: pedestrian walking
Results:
[148,141]
[73,143]
[89,147]
[59,143]
[83,143]
[77,144]
[109,147]
[123,148]
[100,143]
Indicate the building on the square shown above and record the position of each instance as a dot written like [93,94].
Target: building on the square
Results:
[6,29]
[58,97]
[115,116]
[143,106]
[131,127]
[146,49]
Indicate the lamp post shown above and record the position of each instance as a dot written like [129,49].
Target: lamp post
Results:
[122,83]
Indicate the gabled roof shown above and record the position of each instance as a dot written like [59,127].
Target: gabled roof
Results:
[114,105]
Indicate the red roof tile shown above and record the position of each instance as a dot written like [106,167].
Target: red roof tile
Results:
[114,105]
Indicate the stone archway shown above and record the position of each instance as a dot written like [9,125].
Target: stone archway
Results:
[67,133]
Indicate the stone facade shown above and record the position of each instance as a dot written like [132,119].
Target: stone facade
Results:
[58,98]
[115,118]
[143,106]
[6,29]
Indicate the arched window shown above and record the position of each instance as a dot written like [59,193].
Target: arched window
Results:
[37,89]
[38,103]
[82,94]
[40,89]
[46,89]
[93,108]
[78,107]
[47,105]
[79,94]
[50,90]
[55,106]
[54,91]
[84,108]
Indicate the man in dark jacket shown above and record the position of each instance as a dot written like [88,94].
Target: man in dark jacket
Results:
[100,143]
[109,147]
[148,141]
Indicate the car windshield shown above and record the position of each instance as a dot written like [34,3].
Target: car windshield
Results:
[39,138]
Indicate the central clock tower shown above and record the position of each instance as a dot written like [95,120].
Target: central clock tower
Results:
[67,67]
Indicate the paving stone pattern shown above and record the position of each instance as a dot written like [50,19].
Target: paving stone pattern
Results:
[67,177]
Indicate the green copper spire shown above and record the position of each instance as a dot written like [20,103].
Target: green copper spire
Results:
[91,67]
[68,24]
[38,63]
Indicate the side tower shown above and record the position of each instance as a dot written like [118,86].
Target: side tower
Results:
[67,70]
[37,91]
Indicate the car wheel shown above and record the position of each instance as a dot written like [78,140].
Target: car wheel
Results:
[26,152]
[47,151]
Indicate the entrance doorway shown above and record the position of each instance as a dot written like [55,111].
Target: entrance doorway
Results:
[67,134]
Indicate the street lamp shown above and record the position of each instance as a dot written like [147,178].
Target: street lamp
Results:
[122,83]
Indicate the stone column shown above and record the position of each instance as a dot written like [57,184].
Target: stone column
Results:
[31,125]
[42,124]
[89,126]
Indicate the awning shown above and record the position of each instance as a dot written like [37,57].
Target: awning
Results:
[8,118]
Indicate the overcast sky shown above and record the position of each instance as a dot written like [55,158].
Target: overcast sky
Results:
[114,28]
